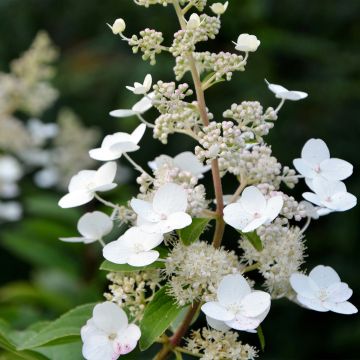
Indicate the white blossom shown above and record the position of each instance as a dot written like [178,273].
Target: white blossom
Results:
[193,22]
[331,195]
[107,335]
[219,8]
[139,108]
[40,132]
[323,291]
[185,161]
[92,226]
[118,26]
[134,247]
[10,173]
[252,210]
[113,146]
[141,89]
[86,183]
[166,212]
[247,43]
[10,210]
[315,161]
[285,94]
[237,306]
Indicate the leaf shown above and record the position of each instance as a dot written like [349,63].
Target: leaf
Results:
[158,316]
[254,239]
[261,337]
[64,329]
[191,233]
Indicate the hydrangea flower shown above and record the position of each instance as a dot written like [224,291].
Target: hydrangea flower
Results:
[118,26]
[323,291]
[10,173]
[219,8]
[252,210]
[247,43]
[93,226]
[315,161]
[134,247]
[113,146]
[107,335]
[185,161]
[139,108]
[285,94]
[166,212]
[86,183]
[141,89]
[237,307]
[331,195]
[193,22]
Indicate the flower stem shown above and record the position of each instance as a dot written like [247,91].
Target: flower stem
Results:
[107,203]
[135,165]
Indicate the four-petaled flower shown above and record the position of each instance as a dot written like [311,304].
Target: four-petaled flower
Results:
[219,8]
[141,89]
[113,146]
[107,335]
[92,226]
[247,43]
[237,306]
[139,108]
[323,291]
[134,247]
[252,210]
[166,212]
[86,183]
[285,94]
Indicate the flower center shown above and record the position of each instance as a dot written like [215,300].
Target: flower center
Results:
[317,169]
[323,294]
[257,215]
[163,217]
[112,337]
[139,247]
[328,199]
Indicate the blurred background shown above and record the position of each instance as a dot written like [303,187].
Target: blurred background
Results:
[306,45]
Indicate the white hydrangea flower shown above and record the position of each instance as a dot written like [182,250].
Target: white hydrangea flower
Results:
[330,194]
[247,43]
[237,307]
[86,183]
[107,335]
[134,247]
[285,94]
[219,8]
[323,291]
[193,22]
[252,210]
[10,173]
[139,108]
[113,146]
[185,161]
[141,89]
[315,161]
[118,26]
[10,211]
[166,212]
[92,226]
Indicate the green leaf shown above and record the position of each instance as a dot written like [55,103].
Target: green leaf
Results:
[192,232]
[158,316]
[64,329]
[254,239]
[261,337]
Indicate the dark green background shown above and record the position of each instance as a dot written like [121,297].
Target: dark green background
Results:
[306,45]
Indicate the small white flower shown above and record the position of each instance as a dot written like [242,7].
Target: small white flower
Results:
[10,173]
[47,177]
[86,183]
[141,89]
[323,291]
[247,43]
[185,161]
[252,210]
[10,211]
[219,8]
[237,307]
[92,226]
[118,26]
[314,211]
[113,146]
[285,94]
[134,247]
[166,212]
[40,132]
[139,108]
[193,22]
[108,334]
[330,194]
[315,162]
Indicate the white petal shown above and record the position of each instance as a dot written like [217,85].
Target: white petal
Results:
[188,161]
[75,198]
[303,285]
[313,198]
[105,187]
[121,113]
[232,289]
[324,276]
[126,340]
[343,201]
[117,252]
[304,168]
[98,347]
[327,188]
[313,304]
[144,209]
[170,198]
[144,104]
[105,174]
[255,223]
[236,216]
[143,258]
[315,151]
[216,311]
[276,88]
[338,292]
[292,95]
[109,317]
[95,225]
[217,324]
[178,220]
[336,169]
[102,154]
[253,200]
[255,303]
[77,240]
[147,82]
[273,207]
[138,133]
[345,307]
[243,323]
[136,236]
[81,180]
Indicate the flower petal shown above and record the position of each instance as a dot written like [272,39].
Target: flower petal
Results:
[343,201]
[144,209]
[109,317]
[345,307]
[138,133]
[105,174]
[232,289]
[336,169]
[143,258]
[170,198]
[255,303]
[313,198]
[243,323]
[304,168]
[303,285]
[236,216]
[77,240]
[312,304]
[253,200]
[339,292]
[98,347]
[95,225]
[102,154]
[273,207]
[315,151]
[217,324]
[117,252]
[255,223]
[81,180]
[75,198]
[324,276]
[126,341]
[121,113]
[216,311]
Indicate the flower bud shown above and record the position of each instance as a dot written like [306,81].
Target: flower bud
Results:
[118,26]
[246,42]
[219,8]
[193,22]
